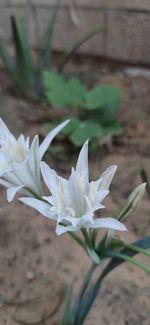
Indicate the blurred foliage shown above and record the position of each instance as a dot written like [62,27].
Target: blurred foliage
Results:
[26,77]
[93,113]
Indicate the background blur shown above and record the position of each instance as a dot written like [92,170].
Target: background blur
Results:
[108,99]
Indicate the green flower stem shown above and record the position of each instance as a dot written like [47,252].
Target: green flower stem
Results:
[82,291]
[128,259]
[37,196]
[77,238]
[87,238]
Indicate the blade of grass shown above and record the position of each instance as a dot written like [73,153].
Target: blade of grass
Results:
[23,57]
[137,249]
[75,47]
[128,259]
[46,46]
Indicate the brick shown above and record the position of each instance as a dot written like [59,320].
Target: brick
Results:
[126,34]
[126,37]
[115,4]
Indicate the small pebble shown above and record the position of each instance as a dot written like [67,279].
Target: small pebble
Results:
[30,275]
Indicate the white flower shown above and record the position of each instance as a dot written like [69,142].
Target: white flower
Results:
[20,162]
[74,201]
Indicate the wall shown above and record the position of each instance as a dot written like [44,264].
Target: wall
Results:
[126,25]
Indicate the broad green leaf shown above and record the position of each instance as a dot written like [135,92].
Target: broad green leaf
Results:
[63,93]
[56,90]
[86,130]
[114,129]
[76,92]
[71,126]
[101,96]
[52,80]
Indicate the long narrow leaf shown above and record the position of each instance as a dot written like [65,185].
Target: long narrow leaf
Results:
[9,64]
[88,301]
[127,258]
[67,315]
[75,47]
[23,56]
[46,46]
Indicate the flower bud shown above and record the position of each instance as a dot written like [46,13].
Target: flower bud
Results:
[133,202]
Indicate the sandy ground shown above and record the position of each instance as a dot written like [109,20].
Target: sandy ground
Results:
[36,266]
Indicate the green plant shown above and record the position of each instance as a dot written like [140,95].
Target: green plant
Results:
[93,113]
[27,78]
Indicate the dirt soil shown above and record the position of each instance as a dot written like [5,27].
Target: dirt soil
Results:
[36,266]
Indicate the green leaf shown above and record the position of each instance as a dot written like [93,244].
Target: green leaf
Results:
[52,80]
[47,42]
[56,90]
[88,129]
[67,315]
[61,93]
[71,126]
[76,92]
[126,258]
[114,129]
[102,96]
[66,57]
[94,256]
[24,64]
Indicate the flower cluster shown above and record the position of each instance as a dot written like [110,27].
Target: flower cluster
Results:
[72,202]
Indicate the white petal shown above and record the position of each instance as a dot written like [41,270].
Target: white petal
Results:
[50,177]
[107,177]
[82,162]
[34,157]
[5,183]
[34,164]
[110,223]
[100,195]
[4,131]
[11,192]
[4,167]
[86,221]
[47,141]
[40,206]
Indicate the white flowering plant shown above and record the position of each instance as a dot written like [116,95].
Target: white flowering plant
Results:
[73,204]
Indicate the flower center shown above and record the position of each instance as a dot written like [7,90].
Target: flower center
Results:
[14,151]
